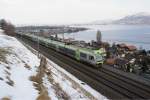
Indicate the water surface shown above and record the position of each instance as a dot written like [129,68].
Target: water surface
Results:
[138,35]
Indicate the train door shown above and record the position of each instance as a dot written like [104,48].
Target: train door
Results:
[57,47]
[77,54]
[91,59]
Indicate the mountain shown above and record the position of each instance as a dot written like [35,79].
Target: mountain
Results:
[136,19]
[139,18]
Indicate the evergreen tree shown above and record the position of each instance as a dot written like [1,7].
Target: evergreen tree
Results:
[99,37]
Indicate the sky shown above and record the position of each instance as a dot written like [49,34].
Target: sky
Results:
[50,12]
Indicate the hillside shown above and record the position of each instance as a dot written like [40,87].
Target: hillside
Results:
[24,76]
[16,66]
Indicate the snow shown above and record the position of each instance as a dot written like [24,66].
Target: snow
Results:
[142,14]
[20,64]
[1,31]
[51,91]
[66,84]
[18,73]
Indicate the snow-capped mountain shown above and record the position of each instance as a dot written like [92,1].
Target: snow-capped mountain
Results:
[139,18]
[136,19]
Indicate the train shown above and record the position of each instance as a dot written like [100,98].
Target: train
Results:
[94,57]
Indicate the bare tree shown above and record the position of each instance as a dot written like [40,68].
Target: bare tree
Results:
[8,28]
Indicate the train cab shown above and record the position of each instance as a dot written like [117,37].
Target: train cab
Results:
[100,56]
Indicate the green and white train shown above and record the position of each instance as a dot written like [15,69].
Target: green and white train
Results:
[93,57]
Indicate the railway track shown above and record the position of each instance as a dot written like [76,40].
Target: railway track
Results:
[107,82]
[128,80]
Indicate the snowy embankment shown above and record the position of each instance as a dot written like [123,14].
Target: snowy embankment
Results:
[17,64]
[23,76]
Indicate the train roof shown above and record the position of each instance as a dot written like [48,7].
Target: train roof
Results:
[84,50]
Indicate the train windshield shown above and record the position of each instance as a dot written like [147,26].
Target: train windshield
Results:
[99,58]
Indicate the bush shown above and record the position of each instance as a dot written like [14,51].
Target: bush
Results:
[8,28]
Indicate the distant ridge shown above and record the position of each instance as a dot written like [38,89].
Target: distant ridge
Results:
[135,19]
[139,18]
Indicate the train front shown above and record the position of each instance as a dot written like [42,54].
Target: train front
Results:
[100,56]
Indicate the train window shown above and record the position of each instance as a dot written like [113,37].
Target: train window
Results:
[83,55]
[71,52]
[52,45]
[62,49]
[91,58]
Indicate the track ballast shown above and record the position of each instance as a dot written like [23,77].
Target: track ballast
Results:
[108,83]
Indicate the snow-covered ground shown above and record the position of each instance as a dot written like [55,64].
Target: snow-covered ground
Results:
[23,77]
[17,64]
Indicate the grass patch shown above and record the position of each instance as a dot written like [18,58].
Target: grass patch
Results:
[43,96]
[9,82]
[38,81]
[3,53]
[79,88]
[60,93]
[5,98]
[1,79]
[27,66]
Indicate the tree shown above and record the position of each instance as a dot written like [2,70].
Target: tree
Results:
[8,28]
[3,24]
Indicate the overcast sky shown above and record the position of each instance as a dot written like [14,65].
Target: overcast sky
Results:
[68,11]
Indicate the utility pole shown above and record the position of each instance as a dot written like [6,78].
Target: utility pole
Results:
[56,36]
[36,33]
[38,43]
[63,36]
[21,35]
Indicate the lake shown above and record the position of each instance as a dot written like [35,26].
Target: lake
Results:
[138,35]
